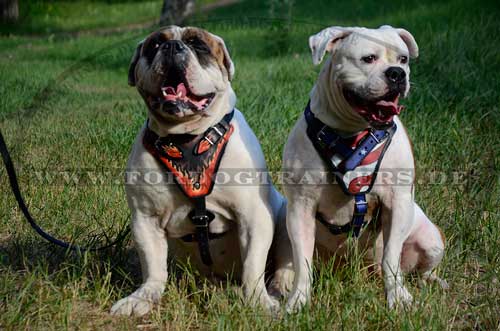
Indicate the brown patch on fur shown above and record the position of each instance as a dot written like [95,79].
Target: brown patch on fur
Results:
[193,32]
[441,233]
[372,207]
[167,34]
[215,46]
[161,35]
[374,269]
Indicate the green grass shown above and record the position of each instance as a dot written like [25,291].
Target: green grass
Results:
[65,105]
[42,16]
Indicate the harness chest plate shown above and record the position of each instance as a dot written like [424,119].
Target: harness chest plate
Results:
[194,161]
[354,160]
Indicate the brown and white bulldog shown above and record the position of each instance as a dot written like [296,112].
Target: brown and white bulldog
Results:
[184,76]
[359,88]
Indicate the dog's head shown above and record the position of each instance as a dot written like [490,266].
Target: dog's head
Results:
[369,68]
[180,72]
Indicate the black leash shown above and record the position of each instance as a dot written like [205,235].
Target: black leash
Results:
[14,184]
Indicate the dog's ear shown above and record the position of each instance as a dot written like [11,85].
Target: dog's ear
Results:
[133,63]
[225,57]
[408,39]
[326,41]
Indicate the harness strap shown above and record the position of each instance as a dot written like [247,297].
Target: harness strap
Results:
[350,227]
[365,147]
[191,237]
[323,136]
[360,210]
[201,219]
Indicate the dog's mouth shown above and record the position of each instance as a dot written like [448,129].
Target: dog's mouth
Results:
[378,112]
[177,99]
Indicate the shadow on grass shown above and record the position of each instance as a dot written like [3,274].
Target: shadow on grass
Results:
[27,256]
[36,257]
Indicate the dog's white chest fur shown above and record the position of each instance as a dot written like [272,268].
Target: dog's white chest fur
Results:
[166,200]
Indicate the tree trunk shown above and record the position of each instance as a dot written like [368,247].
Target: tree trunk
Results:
[176,11]
[9,10]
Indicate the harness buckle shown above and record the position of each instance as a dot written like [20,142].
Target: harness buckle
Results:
[209,141]
[158,144]
[374,137]
[320,135]
[360,207]
[201,221]
[216,130]
[322,138]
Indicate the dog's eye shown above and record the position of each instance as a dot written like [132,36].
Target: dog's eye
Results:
[403,59]
[197,45]
[156,46]
[369,59]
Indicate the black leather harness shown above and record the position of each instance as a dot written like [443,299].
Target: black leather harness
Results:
[194,161]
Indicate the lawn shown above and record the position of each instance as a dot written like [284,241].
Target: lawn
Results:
[69,119]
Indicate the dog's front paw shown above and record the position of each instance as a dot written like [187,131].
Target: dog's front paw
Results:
[296,302]
[281,284]
[138,303]
[270,304]
[132,305]
[399,297]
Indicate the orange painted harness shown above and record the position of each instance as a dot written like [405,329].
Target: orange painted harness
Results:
[194,161]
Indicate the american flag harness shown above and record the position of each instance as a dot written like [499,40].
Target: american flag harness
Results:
[354,161]
[194,160]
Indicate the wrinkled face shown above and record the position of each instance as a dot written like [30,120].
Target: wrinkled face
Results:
[371,69]
[180,71]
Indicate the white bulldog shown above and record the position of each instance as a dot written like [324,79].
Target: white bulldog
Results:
[358,89]
[184,76]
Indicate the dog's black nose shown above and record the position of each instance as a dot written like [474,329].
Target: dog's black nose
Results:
[395,75]
[174,46]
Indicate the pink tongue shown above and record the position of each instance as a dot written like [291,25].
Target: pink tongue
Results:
[180,94]
[391,107]
[173,95]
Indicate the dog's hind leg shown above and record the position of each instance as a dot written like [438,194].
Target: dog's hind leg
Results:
[424,249]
